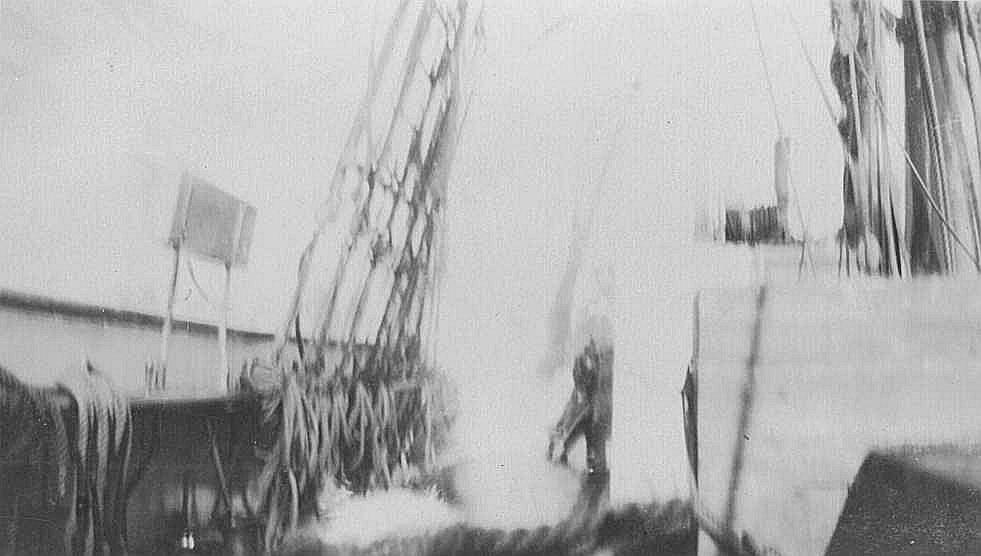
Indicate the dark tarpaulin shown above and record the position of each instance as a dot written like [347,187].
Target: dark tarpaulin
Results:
[35,469]
[63,457]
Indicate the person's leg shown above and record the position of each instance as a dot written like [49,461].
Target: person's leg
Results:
[595,449]
[580,430]
[600,419]
[569,427]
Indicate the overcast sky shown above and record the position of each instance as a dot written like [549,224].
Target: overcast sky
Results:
[104,103]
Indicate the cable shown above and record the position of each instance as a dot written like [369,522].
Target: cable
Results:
[766,69]
[814,72]
[780,131]
[909,161]
[933,116]
[747,399]
[437,280]
[824,93]
[197,285]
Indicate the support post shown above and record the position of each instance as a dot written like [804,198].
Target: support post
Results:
[224,380]
[224,376]
[159,378]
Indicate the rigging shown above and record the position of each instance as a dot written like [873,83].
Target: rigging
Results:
[804,248]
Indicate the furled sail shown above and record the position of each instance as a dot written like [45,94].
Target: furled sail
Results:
[942,75]
[908,87]
[867,51]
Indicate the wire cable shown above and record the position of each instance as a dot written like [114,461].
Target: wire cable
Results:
[197,285]
[766,68]
[814,71]
[909,161]
[780,131]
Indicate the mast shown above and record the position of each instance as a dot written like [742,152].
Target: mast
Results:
[941,66]
[873,189]
[912,147]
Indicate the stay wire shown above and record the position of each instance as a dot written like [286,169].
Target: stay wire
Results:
[780,131]
[909,160]
[766,68]
[197,285]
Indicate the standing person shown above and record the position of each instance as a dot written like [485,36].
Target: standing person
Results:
[588,412]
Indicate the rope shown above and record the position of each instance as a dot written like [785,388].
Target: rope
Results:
[780,131]
[766,69]
[439,251]
[972,88]
[909,161]
[331,206]
[814,72]
[933,116]
[77,473]
[745,411]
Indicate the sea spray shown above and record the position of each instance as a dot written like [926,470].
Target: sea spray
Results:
[502,474]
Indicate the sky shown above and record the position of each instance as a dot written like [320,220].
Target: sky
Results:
[104,103]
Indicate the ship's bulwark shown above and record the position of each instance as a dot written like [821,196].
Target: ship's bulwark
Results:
[840,370]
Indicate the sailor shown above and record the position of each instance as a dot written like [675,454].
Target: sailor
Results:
[588,411]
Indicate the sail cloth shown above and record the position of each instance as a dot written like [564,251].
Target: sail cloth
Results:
[866,70]
[943,84]
[910,83]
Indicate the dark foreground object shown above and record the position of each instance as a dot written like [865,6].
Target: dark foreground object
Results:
[652,529]
[913,501]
